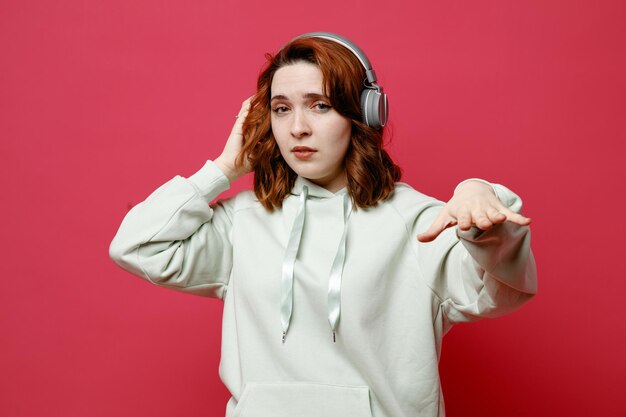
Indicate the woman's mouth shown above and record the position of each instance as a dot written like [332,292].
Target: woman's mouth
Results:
[303,152]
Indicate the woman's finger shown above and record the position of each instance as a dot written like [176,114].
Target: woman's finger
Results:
[241,117]
[245,106]
[464,218]
[502,214]
[441,223]
[481,220]
[516,218]
[495,216]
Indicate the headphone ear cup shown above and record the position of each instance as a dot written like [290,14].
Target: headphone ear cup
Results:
[374,107]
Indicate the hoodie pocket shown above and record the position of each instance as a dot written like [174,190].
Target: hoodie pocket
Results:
[301,399]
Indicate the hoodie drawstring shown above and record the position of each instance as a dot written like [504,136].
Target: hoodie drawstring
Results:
[336,271]
[286,298]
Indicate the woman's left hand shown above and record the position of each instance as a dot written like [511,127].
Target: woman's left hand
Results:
[473,204]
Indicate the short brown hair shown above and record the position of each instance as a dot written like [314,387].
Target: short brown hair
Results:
[370,171]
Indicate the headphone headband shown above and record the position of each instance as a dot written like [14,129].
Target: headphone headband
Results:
[358,52]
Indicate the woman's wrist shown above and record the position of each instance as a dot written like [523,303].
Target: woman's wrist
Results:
[228,169]
[475,181]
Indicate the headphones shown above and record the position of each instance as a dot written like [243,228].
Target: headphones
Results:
[374,104]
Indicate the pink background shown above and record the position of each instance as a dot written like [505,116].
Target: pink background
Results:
[102,101]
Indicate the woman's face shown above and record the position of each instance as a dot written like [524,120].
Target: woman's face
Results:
[313,138]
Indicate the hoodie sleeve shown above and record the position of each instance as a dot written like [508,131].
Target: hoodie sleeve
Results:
[176,239]
[476,273]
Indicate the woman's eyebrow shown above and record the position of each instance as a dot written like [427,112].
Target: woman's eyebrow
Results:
[314,96]
[279,97]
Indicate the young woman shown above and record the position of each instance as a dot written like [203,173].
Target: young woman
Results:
[338,281]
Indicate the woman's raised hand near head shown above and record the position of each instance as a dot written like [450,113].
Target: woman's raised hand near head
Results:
[473,204]
[234,144]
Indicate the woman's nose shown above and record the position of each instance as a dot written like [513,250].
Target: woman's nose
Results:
[300,125]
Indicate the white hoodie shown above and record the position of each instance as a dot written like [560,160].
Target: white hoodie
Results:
[286,282]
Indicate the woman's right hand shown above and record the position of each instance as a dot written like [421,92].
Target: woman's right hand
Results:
[226,161]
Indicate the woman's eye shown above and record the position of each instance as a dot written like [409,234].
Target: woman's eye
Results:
[280,109]
[323,107]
